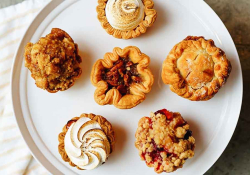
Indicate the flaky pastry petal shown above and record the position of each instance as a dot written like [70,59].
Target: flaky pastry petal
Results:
[137,90]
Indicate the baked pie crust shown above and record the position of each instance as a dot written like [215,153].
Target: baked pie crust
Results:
[54,61]
[196,69]
[164,141]
[104,95]
[148,20]
[103,122]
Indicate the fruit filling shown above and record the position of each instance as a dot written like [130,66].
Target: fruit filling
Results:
[165,112]
[121,75]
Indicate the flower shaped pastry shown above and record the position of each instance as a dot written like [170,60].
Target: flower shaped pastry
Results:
[122,78]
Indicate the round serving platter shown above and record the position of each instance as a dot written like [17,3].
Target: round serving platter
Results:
[41,115]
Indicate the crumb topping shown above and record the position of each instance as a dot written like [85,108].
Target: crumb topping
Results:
[53,61]
[164,141]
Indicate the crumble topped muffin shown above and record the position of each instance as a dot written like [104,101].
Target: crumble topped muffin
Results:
[53,61]
[196,69]
[164,141]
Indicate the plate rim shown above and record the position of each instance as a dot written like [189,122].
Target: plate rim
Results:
[35,152]
[22,125]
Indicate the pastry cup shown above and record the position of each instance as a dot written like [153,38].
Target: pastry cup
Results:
[196,69]
[137,90]
[148,21]
[105,125]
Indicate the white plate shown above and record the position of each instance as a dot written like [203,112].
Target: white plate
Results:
[41,115]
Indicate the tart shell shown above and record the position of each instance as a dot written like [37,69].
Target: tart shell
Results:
[137,90]
[103,122]
[149,19]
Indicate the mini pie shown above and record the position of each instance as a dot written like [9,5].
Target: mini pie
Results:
[53,61]
[122,78]
[164,141]
[126,19]
[86,141]
[196,69]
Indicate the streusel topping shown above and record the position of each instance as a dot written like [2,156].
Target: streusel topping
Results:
[196,69]
[164,141]
[53,61]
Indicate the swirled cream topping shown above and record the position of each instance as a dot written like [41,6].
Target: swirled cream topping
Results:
[86,144]
[124,14]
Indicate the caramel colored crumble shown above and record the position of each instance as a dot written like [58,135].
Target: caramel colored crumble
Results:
[53,61]
[164,141]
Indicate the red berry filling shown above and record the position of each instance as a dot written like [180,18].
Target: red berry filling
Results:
[165,112]
[156,154]
[150,122]
[158,167]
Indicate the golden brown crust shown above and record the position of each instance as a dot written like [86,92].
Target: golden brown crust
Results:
[53,61]
[196,69]
[149,19]
[137,90]
[103,122]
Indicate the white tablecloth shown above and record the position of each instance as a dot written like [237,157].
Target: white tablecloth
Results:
[15,157]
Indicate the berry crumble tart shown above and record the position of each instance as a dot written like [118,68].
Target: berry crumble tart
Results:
[164,141]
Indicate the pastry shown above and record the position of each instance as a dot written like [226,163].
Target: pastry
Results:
[164,141]
[86,141]
[53,61]
[126,18]
[196,69]
[122,78]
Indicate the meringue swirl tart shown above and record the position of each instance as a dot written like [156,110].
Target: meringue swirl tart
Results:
[86,141]
[124,14]
[126,18]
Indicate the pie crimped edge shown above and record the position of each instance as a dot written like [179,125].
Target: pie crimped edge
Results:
[106,127]
[137,90]
[171,74]
[148,21]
